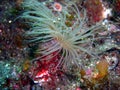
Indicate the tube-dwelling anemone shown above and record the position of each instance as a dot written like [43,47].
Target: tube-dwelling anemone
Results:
[50,26]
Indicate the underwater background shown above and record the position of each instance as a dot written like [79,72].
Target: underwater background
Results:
[59,44]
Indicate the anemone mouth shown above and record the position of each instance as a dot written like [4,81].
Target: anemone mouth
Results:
[63,41]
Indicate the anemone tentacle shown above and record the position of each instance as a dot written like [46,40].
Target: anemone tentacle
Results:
[47,26]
